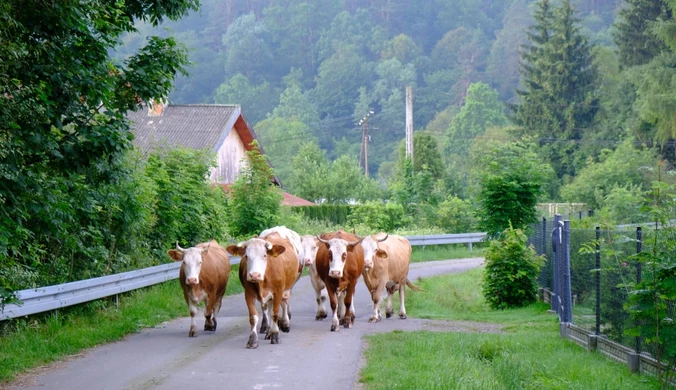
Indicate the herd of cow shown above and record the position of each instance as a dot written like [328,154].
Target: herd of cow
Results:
[272,262]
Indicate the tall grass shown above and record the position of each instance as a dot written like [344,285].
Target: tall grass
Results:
[529,354]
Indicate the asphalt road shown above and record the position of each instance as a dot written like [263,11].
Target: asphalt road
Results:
[308,357]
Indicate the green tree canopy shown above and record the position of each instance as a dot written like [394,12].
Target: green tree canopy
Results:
[635,40]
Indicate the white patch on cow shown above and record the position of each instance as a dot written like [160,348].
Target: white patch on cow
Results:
[192,265]
[289,235]
[257,258]
[309,249]
[370,247]
[338,252]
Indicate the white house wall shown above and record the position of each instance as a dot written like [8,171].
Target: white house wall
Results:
[229,158]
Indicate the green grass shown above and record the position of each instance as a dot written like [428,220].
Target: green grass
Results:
[445,252]
[41,339]
[530,354]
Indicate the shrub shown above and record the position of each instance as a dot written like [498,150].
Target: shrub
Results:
[379,216]
[455,215]
[511,273]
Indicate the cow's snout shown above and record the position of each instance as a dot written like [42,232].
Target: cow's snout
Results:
[335,274]
[255,276]
[192,281]
[308,261]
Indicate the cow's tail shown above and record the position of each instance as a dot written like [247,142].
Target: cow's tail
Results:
[413,286]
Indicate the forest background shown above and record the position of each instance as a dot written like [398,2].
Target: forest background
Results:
[562,101]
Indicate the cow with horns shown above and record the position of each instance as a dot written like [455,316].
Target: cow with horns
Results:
[268,269]
[386,263]
[203,276]
[340,262]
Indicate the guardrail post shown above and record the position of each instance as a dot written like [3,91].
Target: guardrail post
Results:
[469,245]
[639,249]
[117,302]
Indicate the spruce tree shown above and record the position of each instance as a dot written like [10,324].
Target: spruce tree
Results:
[559,100]
[636,43]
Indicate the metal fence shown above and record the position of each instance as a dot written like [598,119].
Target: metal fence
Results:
[49,298]
[587,278]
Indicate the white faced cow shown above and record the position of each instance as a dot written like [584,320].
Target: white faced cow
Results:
[340,262]
[268,269]
[310,246]
[284,233]
[386,262]
[203,276]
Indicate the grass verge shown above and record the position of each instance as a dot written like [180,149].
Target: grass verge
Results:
[30,342]
[445,252]
[530,354]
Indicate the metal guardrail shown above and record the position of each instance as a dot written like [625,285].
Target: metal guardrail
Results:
[43,299]
[48,298]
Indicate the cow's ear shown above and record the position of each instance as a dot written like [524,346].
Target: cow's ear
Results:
[381,253]
[236,250]
[176,255]
[277,250]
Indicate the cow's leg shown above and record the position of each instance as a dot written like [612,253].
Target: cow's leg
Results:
[348,320]
[341,307]
[377,297]
[273,332]
[402,296]
[193,323]
[320,292]
[333,301]
[217,309]
[209,317]
[253,320]
[265,322]
[285,315]
[390,291]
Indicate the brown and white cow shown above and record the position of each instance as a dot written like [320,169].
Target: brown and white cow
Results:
[340,262]
[203,276]
[268,269]
[287,234]
[310,246]
[386,262]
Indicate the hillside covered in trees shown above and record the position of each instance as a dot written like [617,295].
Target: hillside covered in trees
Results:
[310,70]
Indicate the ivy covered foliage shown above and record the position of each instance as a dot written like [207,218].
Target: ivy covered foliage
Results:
[511,273]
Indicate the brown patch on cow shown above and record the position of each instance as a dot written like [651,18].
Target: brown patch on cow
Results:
[175,254]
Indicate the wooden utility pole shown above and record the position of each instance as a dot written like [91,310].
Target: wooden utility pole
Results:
[409,123]
[365,142]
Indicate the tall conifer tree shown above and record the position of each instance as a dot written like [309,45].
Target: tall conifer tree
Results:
[559,100]
[636,43]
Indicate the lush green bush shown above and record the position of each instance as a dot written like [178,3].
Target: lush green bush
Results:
[455,215]
[379,216]
[333,213]
[511,273]
[254,200]
[511,178]
[187,208]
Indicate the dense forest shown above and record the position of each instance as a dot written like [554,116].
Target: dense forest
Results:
[307,70]
[542,100]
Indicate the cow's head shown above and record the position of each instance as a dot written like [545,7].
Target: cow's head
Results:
[192,262]
[338,250]
[257,252]
[370,247]
[309,245]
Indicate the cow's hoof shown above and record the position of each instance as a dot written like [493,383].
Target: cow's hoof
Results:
[374,319]
[211,328]
[253,342]
[264,328]
[285,328]
[403,316]
[267,336]
[274,338]
[335,328]
[388,314]
[193,332]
